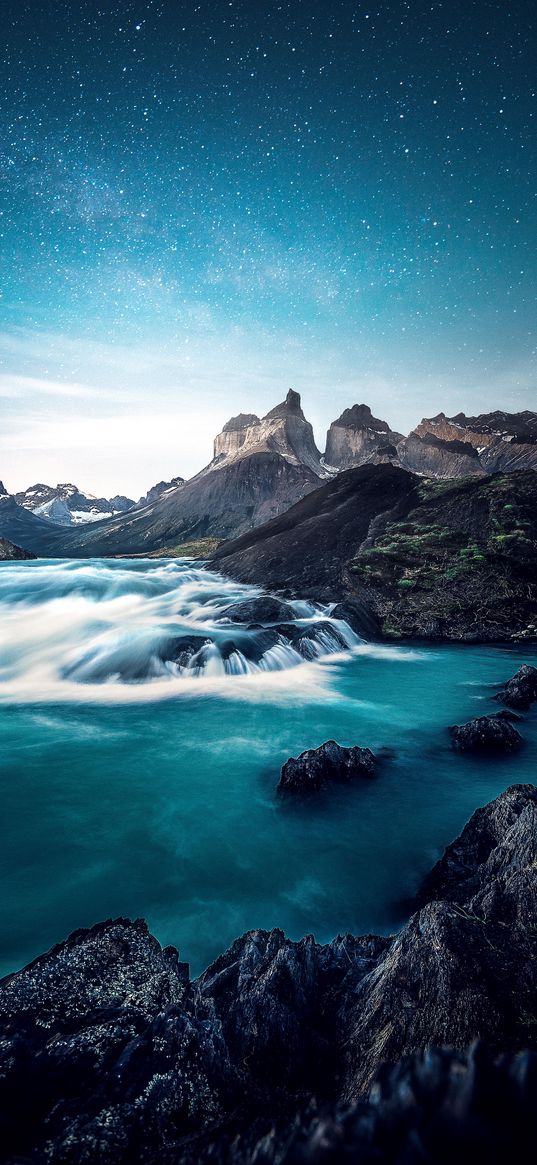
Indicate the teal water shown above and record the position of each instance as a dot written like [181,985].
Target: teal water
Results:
[156,797]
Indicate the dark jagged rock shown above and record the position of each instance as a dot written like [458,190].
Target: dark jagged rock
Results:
[329,764]
[183,649]
[486,734]
[359,616]
[8,550]
[521,690]
[109,1053]
[265,609]
[498,834]
[306,640]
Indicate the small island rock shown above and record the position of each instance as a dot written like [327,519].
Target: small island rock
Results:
[486,734]
[329,764]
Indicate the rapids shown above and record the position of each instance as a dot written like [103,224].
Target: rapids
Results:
[115,626]
[133,783]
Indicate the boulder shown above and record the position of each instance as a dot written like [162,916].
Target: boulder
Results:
[521,690]
[486,734]
[324,633]
[329,764]
[183,649]
[265,609]
[359,616]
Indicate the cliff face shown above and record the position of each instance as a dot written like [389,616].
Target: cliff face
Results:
[458,446]
[110,1053]
[358,437]
[284,431]
[440,446]
[433,456]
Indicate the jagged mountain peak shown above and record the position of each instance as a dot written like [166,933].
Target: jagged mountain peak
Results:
[361,417]
[283,431]
[291,405]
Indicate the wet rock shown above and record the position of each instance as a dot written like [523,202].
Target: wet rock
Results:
[328,764]
[265,609]
[183,649]
[359,616]
[323,634]
[492,734]
[109,1053]
[521,690]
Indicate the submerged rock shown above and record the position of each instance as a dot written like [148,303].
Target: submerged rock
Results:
[486,734]
[265,609]
[521,690]
[109,1053]
[183,649]
[322,634]
[329,764]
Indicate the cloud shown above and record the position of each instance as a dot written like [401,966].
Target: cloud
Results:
[12,385]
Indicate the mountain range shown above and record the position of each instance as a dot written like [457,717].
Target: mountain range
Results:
[260,468]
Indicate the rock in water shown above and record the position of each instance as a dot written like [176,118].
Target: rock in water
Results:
[486,734]
[521,690]
[329,764]
[109,1053]
[264,609]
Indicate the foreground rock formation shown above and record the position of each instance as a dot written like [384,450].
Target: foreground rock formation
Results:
[110,1053]
[419,559]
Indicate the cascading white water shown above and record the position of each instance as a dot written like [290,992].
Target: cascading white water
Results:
[68,627]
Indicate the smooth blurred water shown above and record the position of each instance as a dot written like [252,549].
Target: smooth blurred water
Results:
[157,798]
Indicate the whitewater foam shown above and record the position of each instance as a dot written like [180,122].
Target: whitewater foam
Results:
[107,631]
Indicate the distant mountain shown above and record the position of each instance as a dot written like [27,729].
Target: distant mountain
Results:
[357,438]
[65,504]
[283,431]
[155,492]
[259,469]
[262,466]
[441,446]
[425,559]
[22,527]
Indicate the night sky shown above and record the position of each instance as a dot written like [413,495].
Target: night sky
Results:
[204,203]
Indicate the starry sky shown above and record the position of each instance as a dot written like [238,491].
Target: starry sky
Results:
[203,204]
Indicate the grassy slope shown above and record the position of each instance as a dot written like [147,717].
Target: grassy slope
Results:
[462,562]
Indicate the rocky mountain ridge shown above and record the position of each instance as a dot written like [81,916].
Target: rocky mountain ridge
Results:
[419,559]
[111,1053]
[261,467]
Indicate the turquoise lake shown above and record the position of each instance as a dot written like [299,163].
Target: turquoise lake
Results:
[131,788]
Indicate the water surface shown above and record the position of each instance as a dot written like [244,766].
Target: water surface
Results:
[155,797]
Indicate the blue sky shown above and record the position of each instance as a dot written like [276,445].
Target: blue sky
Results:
[205,203]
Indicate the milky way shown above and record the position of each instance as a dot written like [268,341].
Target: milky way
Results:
[339,178]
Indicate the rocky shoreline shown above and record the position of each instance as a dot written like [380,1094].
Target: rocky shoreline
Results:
[111,1053]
